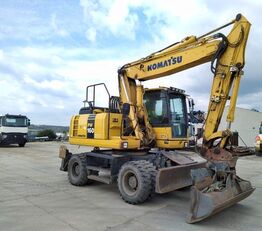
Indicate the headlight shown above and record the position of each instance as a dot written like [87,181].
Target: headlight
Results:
[24,136]
[4,136]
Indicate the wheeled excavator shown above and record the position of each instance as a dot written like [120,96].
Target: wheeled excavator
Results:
[137,139]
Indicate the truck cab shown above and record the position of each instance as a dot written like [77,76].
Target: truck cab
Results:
[13,129]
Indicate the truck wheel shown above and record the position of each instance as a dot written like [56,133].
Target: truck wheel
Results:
[135,181]
[77,172]
[21,144]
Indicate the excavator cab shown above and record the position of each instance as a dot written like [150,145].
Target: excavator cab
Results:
[167,113]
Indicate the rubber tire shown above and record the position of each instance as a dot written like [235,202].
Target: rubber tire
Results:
[21,144]
[81,178]
[144,172]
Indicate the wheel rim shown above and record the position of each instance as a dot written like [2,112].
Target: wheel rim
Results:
[75,169]
[130,183]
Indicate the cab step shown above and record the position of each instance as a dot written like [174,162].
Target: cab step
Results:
[102,179]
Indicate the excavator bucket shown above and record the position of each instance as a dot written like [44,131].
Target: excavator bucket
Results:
[214,190]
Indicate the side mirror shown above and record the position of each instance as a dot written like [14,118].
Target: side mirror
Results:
[126,109]
[191,103]
[28,122]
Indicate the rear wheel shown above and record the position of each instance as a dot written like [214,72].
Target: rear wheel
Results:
[135,181]
[77,172]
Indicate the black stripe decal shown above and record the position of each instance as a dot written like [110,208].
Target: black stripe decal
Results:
[91,126]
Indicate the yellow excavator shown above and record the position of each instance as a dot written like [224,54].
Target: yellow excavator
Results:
[139,139]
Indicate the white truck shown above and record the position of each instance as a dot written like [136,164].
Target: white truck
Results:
[13,129]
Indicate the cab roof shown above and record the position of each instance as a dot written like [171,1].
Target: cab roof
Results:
[169,89]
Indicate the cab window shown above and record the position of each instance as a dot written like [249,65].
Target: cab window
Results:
[178,115]
[156,106]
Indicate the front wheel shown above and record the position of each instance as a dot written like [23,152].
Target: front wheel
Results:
[77,172]
[135,181]
[21,144]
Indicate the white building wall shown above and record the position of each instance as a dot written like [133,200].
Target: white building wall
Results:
[246,123]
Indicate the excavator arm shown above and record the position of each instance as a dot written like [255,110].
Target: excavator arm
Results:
[226,54]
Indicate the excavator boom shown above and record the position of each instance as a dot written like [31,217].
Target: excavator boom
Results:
[226,54]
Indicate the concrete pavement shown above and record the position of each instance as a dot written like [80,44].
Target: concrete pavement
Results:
[35,195]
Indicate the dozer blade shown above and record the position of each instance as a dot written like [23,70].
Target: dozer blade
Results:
[177,177]
[207,201]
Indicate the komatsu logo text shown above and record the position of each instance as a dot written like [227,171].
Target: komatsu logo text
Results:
[165,63]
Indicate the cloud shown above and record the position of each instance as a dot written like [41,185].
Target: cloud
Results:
[50,52]
[126,18]
[115,17]
[53,84]
[51,81]
[91,34]
[59,31]
[1,55]
[247,101]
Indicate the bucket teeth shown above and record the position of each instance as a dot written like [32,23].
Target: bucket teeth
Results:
[213,191]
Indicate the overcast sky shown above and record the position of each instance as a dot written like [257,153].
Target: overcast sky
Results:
[51,50]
